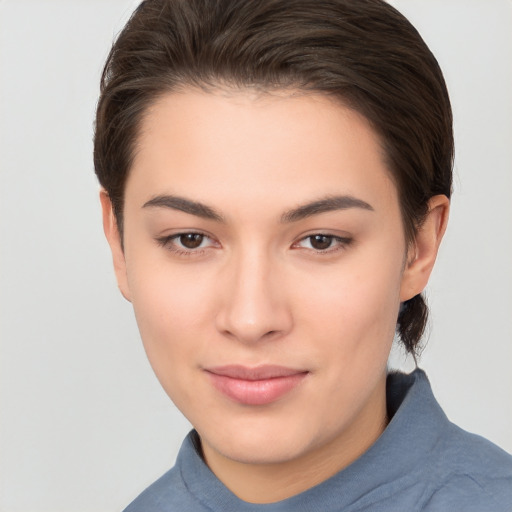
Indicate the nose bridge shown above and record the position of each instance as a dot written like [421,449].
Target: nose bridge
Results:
[254,304]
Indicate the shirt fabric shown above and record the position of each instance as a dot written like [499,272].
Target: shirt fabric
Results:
[421,461]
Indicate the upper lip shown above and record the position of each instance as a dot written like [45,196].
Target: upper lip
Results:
[262,372]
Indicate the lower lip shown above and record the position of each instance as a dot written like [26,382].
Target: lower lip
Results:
[256,392]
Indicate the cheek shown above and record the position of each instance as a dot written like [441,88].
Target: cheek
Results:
[172,311]
[354,307]
[166,295]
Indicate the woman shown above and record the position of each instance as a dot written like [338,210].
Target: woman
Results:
[276,180]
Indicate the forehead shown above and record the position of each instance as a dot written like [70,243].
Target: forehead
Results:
[241,147]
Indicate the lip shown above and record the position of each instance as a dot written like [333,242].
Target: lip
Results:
[259,385]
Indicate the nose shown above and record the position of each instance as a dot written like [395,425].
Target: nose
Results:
[253,300]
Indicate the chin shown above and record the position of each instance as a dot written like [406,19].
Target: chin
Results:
[270,453]
[260,445]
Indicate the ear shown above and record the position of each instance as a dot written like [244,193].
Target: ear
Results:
[422,252]
[114,240]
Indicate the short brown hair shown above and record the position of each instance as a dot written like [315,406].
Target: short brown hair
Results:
[363,52]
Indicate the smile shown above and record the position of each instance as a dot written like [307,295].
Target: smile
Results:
[255,386]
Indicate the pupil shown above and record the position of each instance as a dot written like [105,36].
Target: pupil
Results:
[191,240]
[321,242]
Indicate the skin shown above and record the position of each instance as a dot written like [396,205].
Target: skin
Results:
[256,291]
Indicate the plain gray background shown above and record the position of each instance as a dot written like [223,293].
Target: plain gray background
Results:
[84,423]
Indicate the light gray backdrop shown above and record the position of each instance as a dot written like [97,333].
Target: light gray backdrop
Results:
[84,423]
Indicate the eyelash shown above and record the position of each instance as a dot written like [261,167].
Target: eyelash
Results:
[169,242]
[341,243]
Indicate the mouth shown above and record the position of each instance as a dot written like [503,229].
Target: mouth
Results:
[260,385]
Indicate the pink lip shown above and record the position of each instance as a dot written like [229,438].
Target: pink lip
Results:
[255,386]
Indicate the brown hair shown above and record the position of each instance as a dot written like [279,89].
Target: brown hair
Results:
[363,52]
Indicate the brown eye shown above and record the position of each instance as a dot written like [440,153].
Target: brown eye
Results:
[191,240]
[320,242]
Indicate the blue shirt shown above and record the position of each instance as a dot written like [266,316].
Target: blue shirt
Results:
[421,461]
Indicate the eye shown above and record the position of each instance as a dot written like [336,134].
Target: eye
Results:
[320,242]
[323,243]
[190,240]
[186,243]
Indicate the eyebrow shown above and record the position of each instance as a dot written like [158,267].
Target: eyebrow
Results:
[327,204]
[185,205]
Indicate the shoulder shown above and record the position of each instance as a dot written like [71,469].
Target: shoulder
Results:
[180,488]
[451,468]
[471,471]
[168,493]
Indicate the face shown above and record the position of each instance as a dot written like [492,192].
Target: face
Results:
[264,256]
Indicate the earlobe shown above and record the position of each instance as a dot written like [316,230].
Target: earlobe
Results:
[423,251]
[113,236]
